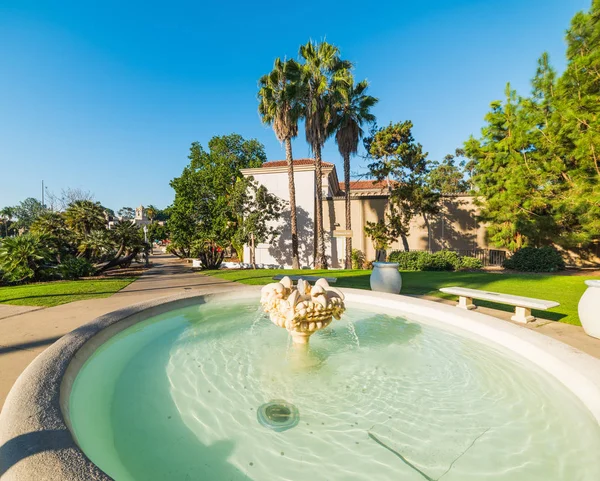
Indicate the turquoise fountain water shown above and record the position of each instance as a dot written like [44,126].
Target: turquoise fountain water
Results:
[378,397]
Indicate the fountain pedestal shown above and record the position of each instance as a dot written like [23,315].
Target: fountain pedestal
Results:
[302,309]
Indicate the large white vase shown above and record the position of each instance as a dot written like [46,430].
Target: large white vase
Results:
[385,277]
[589,309]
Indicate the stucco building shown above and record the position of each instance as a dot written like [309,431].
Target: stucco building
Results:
[454,228]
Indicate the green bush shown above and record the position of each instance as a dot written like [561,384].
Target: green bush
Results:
[23,258]
[535,259]
[470,264]
[358,258]
[407,261]
[446,261]
[437,261]
[74,268]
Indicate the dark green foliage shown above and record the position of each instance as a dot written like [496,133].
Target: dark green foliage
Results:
[536,167]
[533,259]
[470,264]
[436,261]
[23,258]
[26,212]
[75,268]
[358,259]
[448,176]
[157,232]
[407,260]
[205,217]
[398,159]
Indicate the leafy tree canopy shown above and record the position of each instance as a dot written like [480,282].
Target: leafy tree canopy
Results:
[536,168]
[204,217]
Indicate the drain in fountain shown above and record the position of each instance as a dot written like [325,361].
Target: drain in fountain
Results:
[278,415]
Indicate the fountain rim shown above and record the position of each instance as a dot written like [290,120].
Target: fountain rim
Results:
[35,430]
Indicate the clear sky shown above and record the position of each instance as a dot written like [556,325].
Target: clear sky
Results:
[108,95]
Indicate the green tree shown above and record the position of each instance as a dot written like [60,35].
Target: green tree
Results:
[26,212]
[126,213]
[352,109]
[279,106]
[448,176]
[322,75]
[399,160]
[577,124]
[6,215]
[259,211]
[151,213]
[203,218]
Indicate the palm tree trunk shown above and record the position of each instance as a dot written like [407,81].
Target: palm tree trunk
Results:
[292,189]
[320,259]
[348,262]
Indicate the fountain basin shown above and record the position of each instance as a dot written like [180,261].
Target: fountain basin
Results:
[526,375]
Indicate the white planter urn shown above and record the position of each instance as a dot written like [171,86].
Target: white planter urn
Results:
[589,309]
[386,277]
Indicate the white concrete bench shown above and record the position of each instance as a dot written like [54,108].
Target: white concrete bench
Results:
[331,280]
[523,305]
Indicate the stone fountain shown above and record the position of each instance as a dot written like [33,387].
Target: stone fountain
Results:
[302,309]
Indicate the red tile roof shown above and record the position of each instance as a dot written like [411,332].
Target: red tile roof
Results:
[365,185]
[283,163]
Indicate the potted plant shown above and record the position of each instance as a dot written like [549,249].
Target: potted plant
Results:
[385,276]
[589,309]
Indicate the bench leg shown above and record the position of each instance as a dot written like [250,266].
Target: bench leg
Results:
[523,315]
[466,303]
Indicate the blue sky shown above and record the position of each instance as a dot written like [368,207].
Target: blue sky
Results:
[107,96]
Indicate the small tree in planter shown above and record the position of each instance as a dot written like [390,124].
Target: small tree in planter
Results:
[382,235]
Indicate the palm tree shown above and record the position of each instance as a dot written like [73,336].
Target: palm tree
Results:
[6,214]
[322,74]
[151,213]
[280,108]
[352,110]
[84,216]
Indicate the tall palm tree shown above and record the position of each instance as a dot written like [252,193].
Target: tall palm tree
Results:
[6,214]
[322,73]
[280,108]
[352,110]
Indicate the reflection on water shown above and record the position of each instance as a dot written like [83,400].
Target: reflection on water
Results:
[380,398]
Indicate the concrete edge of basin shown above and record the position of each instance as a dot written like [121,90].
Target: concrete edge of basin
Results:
[36,442]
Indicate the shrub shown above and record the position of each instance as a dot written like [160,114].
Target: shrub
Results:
[470,263]
[358,258]
[535,259]
[446,261]
[74,268]
[23,258]
[407,261]
[437,261]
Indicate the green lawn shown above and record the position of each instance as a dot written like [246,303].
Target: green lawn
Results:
[564,289]
[49,294]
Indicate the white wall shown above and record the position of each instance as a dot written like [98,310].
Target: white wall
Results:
[280,252]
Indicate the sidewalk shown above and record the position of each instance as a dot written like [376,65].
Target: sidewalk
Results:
[25,333]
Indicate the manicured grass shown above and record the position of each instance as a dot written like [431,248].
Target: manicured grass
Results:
[49,294]
[563,289]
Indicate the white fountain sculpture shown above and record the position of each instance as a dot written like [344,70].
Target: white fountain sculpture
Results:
[303,309]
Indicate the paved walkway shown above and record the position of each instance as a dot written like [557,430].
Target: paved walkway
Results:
[25,333]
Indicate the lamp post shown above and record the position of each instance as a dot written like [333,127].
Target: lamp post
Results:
[146,252]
